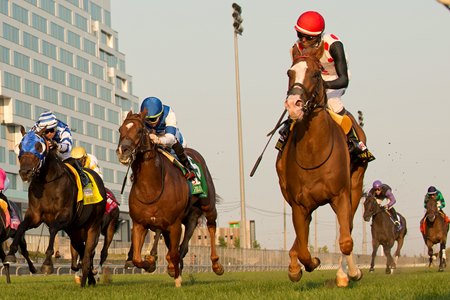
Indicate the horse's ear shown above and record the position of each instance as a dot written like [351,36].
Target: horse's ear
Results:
[22,130]
[130,113]
[144,113]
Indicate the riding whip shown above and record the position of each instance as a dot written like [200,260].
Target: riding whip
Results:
[125,179]
[271,133]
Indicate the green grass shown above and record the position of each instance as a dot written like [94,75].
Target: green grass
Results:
[411,283]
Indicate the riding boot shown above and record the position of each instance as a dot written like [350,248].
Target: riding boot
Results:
[395,217]
[357,147]
[284,134]
[79,168]
[179,151]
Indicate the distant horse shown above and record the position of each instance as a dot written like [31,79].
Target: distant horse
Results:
[52,199]
[436,230]
[110,225]
[6,233]
[160,198]
[384,232]
[315,169]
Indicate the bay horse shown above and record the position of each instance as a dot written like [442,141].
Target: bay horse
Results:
[384,233]
[7,233]
[315,169]
[160,198]
[436,230]
[110,225]
[52,199]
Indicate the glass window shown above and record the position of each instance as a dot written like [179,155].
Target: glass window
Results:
[74,2]
[105,93]
[48,49]
[113,158]
[75,82]
[89,47]
[90,88]
[39,23]
[100,152]
[2,154]
[65,14]
[81,22]
[107,134]
[96,12]
[22,109]
[4,55]
[82,64]
[121,65]
[21,61]
[33,2]
[84,107]
[77,125]
[30,41]
[58,75]
[92,130]
[99,112]
[57,31]
[40,68]
[113,116]
[50,95]
[66,57]
[68,101]
[11,33]
[86,146]
[98,71]
[107,18]
[39,110]
[4,7]
[48,6]
[32,88]
[12,82]
[61,117]
[19,13]
[108,175]
[73,39]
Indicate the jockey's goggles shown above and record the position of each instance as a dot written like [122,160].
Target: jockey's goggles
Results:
[152,119]
[307,37]
[51,130]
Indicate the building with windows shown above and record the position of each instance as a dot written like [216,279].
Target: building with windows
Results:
[63,55]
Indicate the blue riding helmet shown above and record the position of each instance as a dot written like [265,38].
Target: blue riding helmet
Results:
[377,184]
[154,108]
[432,190]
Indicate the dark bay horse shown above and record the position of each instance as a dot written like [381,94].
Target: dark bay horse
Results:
[52,199]
[160,198]
[6,233]
[384,233]
[315,169]
[110,225]
[436,230]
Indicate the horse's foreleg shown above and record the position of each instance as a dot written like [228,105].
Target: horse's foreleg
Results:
[174,237]
[430,253]
[389,259]
[26,255]
[27,223]
[109,235]
[47,265]
[442,257]
[87,264]
[138,235]
[375,246]
[295,269]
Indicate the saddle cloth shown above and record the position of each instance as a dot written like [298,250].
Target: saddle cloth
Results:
[89,196]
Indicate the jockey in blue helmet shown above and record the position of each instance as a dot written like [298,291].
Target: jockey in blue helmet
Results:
[381,191]
[162,123]
[57,135]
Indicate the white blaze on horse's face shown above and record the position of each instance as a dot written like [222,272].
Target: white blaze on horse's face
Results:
[299,71]
[129,125]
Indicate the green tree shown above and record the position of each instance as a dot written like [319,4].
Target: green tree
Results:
[222,242]
[256,245]
[237,243]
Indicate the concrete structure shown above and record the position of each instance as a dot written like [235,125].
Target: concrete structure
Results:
[63,55]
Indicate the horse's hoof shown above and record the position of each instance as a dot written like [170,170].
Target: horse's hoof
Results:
[388,271]
[129,264]
[171,272]
[10,259]
[342,281]
[441,269]
[77,279]
[371,270]
[356,277]
[47,269]
[33,270]
[219,270]
[178,282]
[295,276]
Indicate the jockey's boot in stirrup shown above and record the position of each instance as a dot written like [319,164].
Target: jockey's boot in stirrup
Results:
[83,177]
[357,147]
[284,134]
[179,151]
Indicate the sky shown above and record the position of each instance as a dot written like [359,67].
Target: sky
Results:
[183,53]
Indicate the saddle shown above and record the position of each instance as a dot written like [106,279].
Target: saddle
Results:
[91,193]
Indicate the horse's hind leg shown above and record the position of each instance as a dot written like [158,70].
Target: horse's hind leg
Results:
[389,259]
[375,246]
[211,217]
[89,252]
[400,242]
[5,265]
[26,255]
[442,257]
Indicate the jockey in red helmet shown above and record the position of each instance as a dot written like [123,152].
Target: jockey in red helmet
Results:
[310,28]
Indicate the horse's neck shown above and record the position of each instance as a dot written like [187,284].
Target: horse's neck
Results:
[318,124]
[52,168]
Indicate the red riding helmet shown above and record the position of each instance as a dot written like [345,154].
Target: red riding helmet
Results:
[310,23]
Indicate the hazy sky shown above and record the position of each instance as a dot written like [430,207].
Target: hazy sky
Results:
[182,52]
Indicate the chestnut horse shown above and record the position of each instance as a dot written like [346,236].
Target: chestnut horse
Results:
[315,169]
[160,198]
[436,230]
[6,233]
[384,233]
[52,199]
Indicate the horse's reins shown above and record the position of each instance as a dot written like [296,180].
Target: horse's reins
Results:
[138,149]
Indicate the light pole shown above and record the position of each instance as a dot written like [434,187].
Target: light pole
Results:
[238,29]
[363,198]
